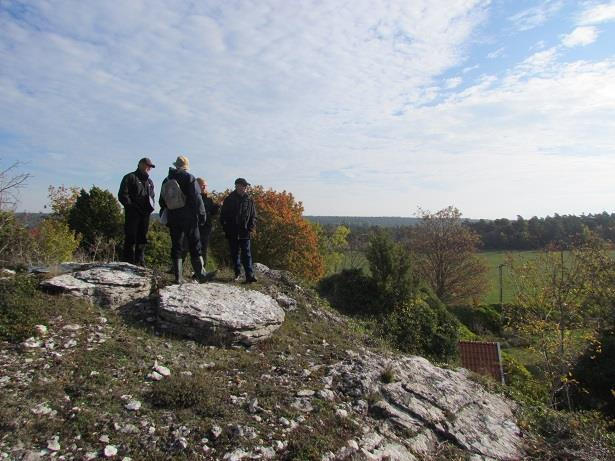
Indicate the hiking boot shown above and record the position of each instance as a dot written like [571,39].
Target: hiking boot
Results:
[251,278]
[199,272]
[209,276]
[237,277]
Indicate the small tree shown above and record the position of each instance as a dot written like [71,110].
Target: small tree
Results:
[332,245]
[446,257]
[62,199]
[552,302]
[55,241]
[10,183]
[97,216]
[390,267]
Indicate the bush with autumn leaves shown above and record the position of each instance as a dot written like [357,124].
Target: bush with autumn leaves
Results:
[284,239]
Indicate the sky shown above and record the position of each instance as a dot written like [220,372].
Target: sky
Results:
[358,107]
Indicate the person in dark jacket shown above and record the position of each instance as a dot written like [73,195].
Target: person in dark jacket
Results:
[184,221]
[238,218]
[136,194]
[211,210]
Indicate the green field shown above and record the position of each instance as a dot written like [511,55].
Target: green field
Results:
[493,259]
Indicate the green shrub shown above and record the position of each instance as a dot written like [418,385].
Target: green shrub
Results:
[594,374]
[389,265]
[201,393]
[55,241]
[482,319]
[555,435]
[423,326]
[158,250]
[98,217]
[351,291]
[23,305]
[522,383]
[17,246]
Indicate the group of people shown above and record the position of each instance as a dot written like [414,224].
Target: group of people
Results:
[189,211]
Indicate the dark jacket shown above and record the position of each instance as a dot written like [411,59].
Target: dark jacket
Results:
[238,216]
[137,193]
[194,210]
[211,209]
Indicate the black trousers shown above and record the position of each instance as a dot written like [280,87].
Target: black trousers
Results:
[183,232]
[241,255]
[136,226]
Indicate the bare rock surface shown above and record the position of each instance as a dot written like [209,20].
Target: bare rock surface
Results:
[425,405]
[215,313]
[108,284]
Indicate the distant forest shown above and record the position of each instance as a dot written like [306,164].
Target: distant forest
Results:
[497,234]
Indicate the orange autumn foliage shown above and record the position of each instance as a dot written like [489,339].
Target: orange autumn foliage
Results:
[284,238]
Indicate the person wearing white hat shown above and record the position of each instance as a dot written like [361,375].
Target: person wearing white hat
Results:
[180,197]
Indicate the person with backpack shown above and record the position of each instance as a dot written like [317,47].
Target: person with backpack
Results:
[180,199]
[136,194]
[238,218]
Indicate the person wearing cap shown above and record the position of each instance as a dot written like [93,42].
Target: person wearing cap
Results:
[136,194]
[238,218]
[184,221]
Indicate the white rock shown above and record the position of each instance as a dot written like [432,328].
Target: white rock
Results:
[237,455]
[72,327]
[111,285]
[155,376]
[216,431]
[104,438]
[284,421]
[353,444]
[325,394]
[90,455]
[305,393]
[161,369]
[341,413]
[133,405]
[43,410]
[31,343]
[70,343]
[218,313]
[53,443]
[41,330]
[110,451]
[181,443]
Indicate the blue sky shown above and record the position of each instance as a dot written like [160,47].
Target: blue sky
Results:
[359,107]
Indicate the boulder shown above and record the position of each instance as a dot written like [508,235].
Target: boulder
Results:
[219,314]
[110,285]
[425,405]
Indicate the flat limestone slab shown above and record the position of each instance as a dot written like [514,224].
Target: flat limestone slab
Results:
[110,285]
[219,314]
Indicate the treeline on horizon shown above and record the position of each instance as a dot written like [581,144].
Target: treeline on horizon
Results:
[495,234]
[502,233]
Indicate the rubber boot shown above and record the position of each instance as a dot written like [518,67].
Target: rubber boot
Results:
[197,266]
[140,255]
[178,271]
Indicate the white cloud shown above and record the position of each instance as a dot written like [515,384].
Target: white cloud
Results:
[496,54]
[288,94]
[598,13]
[453,82]
[535,16]
[580,36]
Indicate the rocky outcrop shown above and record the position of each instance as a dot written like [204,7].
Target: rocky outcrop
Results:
[214,313]
[110,285]
[424,405]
